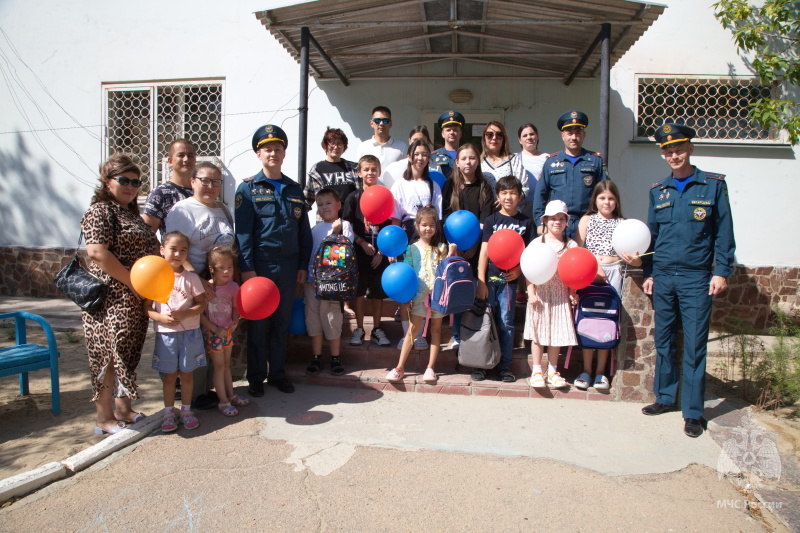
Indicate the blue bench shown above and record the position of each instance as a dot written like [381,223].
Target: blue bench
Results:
[23,357]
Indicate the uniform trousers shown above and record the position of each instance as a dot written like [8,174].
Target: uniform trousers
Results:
[684,294]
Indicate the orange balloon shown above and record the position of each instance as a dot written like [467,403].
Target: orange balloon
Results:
[153,277]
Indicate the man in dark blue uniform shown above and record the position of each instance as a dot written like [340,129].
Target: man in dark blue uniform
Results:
[571,174]
[692,235]
[274,238]
[451,124]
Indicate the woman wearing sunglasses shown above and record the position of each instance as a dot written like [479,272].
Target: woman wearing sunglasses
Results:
[116,237]
[497,161]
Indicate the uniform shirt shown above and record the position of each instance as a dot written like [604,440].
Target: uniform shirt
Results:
[692,229]
[271,226]
[570,183]
[386,153]
[442,158]
[497,221]
[162,198]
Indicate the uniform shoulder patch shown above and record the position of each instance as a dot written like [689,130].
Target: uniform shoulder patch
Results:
[657,184]
[247,180]
[715,176]
[598,154]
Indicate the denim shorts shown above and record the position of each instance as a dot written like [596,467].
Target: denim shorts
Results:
[179,351]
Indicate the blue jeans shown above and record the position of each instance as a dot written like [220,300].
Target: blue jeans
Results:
[502,298]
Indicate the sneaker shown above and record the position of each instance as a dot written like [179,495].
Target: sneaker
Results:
[429,376]
[420,343]
[454,344]
[556,381]
[358,337]
[188,420]
[379,337]
[395,376]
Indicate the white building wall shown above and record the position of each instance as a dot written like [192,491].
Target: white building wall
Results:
[89,43]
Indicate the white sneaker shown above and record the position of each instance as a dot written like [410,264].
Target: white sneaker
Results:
[358,337]
[430,376]
[420,343]
[379,337]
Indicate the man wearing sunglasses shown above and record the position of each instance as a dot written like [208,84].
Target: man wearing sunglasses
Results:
[571,174]
[182,160]
[381,144]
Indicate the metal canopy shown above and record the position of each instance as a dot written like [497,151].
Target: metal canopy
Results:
[461,39]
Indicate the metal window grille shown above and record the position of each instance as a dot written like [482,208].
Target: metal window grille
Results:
[717,108]
[143,120]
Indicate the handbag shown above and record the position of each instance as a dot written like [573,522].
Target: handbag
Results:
[80,286]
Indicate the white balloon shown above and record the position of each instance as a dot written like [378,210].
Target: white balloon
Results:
[631,236]
[538,262]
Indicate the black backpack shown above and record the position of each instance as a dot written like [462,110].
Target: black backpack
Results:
[335,269]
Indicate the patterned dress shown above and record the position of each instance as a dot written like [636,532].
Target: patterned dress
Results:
[549,322]
[115,333]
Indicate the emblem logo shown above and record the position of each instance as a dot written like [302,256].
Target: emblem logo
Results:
[297,212]
[749,455]
[451,114]
[669,137]
[699,213]
[587,180]
[268,129]
[238,200]
[574,114]
[667,128]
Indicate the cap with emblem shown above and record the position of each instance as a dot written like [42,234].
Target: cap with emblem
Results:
[269,133]
[450,118]
[672,134]
[573,119]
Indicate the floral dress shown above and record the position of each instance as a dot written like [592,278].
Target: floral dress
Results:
[116,331]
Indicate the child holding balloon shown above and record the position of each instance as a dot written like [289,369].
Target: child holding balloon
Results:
[179,342]
[595,231]
[423,256]
[219,322]
[548,320]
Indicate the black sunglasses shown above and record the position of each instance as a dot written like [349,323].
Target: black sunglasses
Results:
[381,120]
[122,180]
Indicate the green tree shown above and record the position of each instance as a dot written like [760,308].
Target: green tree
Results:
[767,31]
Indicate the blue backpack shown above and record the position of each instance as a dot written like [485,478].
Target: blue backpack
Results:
[597,317]
[454,287]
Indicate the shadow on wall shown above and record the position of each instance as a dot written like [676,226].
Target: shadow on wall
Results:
[39,206]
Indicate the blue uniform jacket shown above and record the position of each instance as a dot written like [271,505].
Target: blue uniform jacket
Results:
[572,184]
[442,158]
[271,227]
[690,229]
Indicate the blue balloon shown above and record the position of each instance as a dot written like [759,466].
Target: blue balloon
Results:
[399,282]
[297,323]
[392,241]
[437,178]
[462,229]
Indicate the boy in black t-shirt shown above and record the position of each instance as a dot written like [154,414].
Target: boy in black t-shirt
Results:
[497,286]
[371,262]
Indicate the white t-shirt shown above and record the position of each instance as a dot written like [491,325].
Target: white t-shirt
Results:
[394,172]
[205,226]
[533,164]
[410,195]
[386,153]
[319,232]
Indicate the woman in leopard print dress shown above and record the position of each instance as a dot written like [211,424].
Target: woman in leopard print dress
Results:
[116,237]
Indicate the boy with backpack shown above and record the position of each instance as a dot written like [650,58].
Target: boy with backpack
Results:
[497,286]
[332,276]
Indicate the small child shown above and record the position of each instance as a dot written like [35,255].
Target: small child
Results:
[371,262]
[549,321]
[424,256]
[595,230]
[499,287]
[179,342]
[219,322]
[325,316]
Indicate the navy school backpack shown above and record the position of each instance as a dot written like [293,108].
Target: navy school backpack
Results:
[454,286]
[335,269]
[597,317]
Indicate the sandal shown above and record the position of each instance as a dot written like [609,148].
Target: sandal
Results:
[395,376]
[507,377]
[188,420]
[556,381]
[582,381]
[227,409]
[314,366]
[537,381]
[337,369]
[478,374]
[169,423]
[238,401]
[601,382]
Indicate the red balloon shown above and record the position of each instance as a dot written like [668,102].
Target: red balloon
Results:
[577,268]
[505,247]
[257,298]
[377,204]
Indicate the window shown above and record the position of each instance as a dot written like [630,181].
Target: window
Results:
[716,107]
[142,119]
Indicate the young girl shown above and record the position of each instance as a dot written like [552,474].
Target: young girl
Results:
[424,256]
[179,342]
[548,321]
[594,232]
[219,322]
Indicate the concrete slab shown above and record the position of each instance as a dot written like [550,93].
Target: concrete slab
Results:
[113,443]
[27,482]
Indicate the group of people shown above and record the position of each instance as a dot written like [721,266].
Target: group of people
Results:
[563,199]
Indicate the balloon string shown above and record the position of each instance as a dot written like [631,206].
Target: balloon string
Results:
[635,256]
